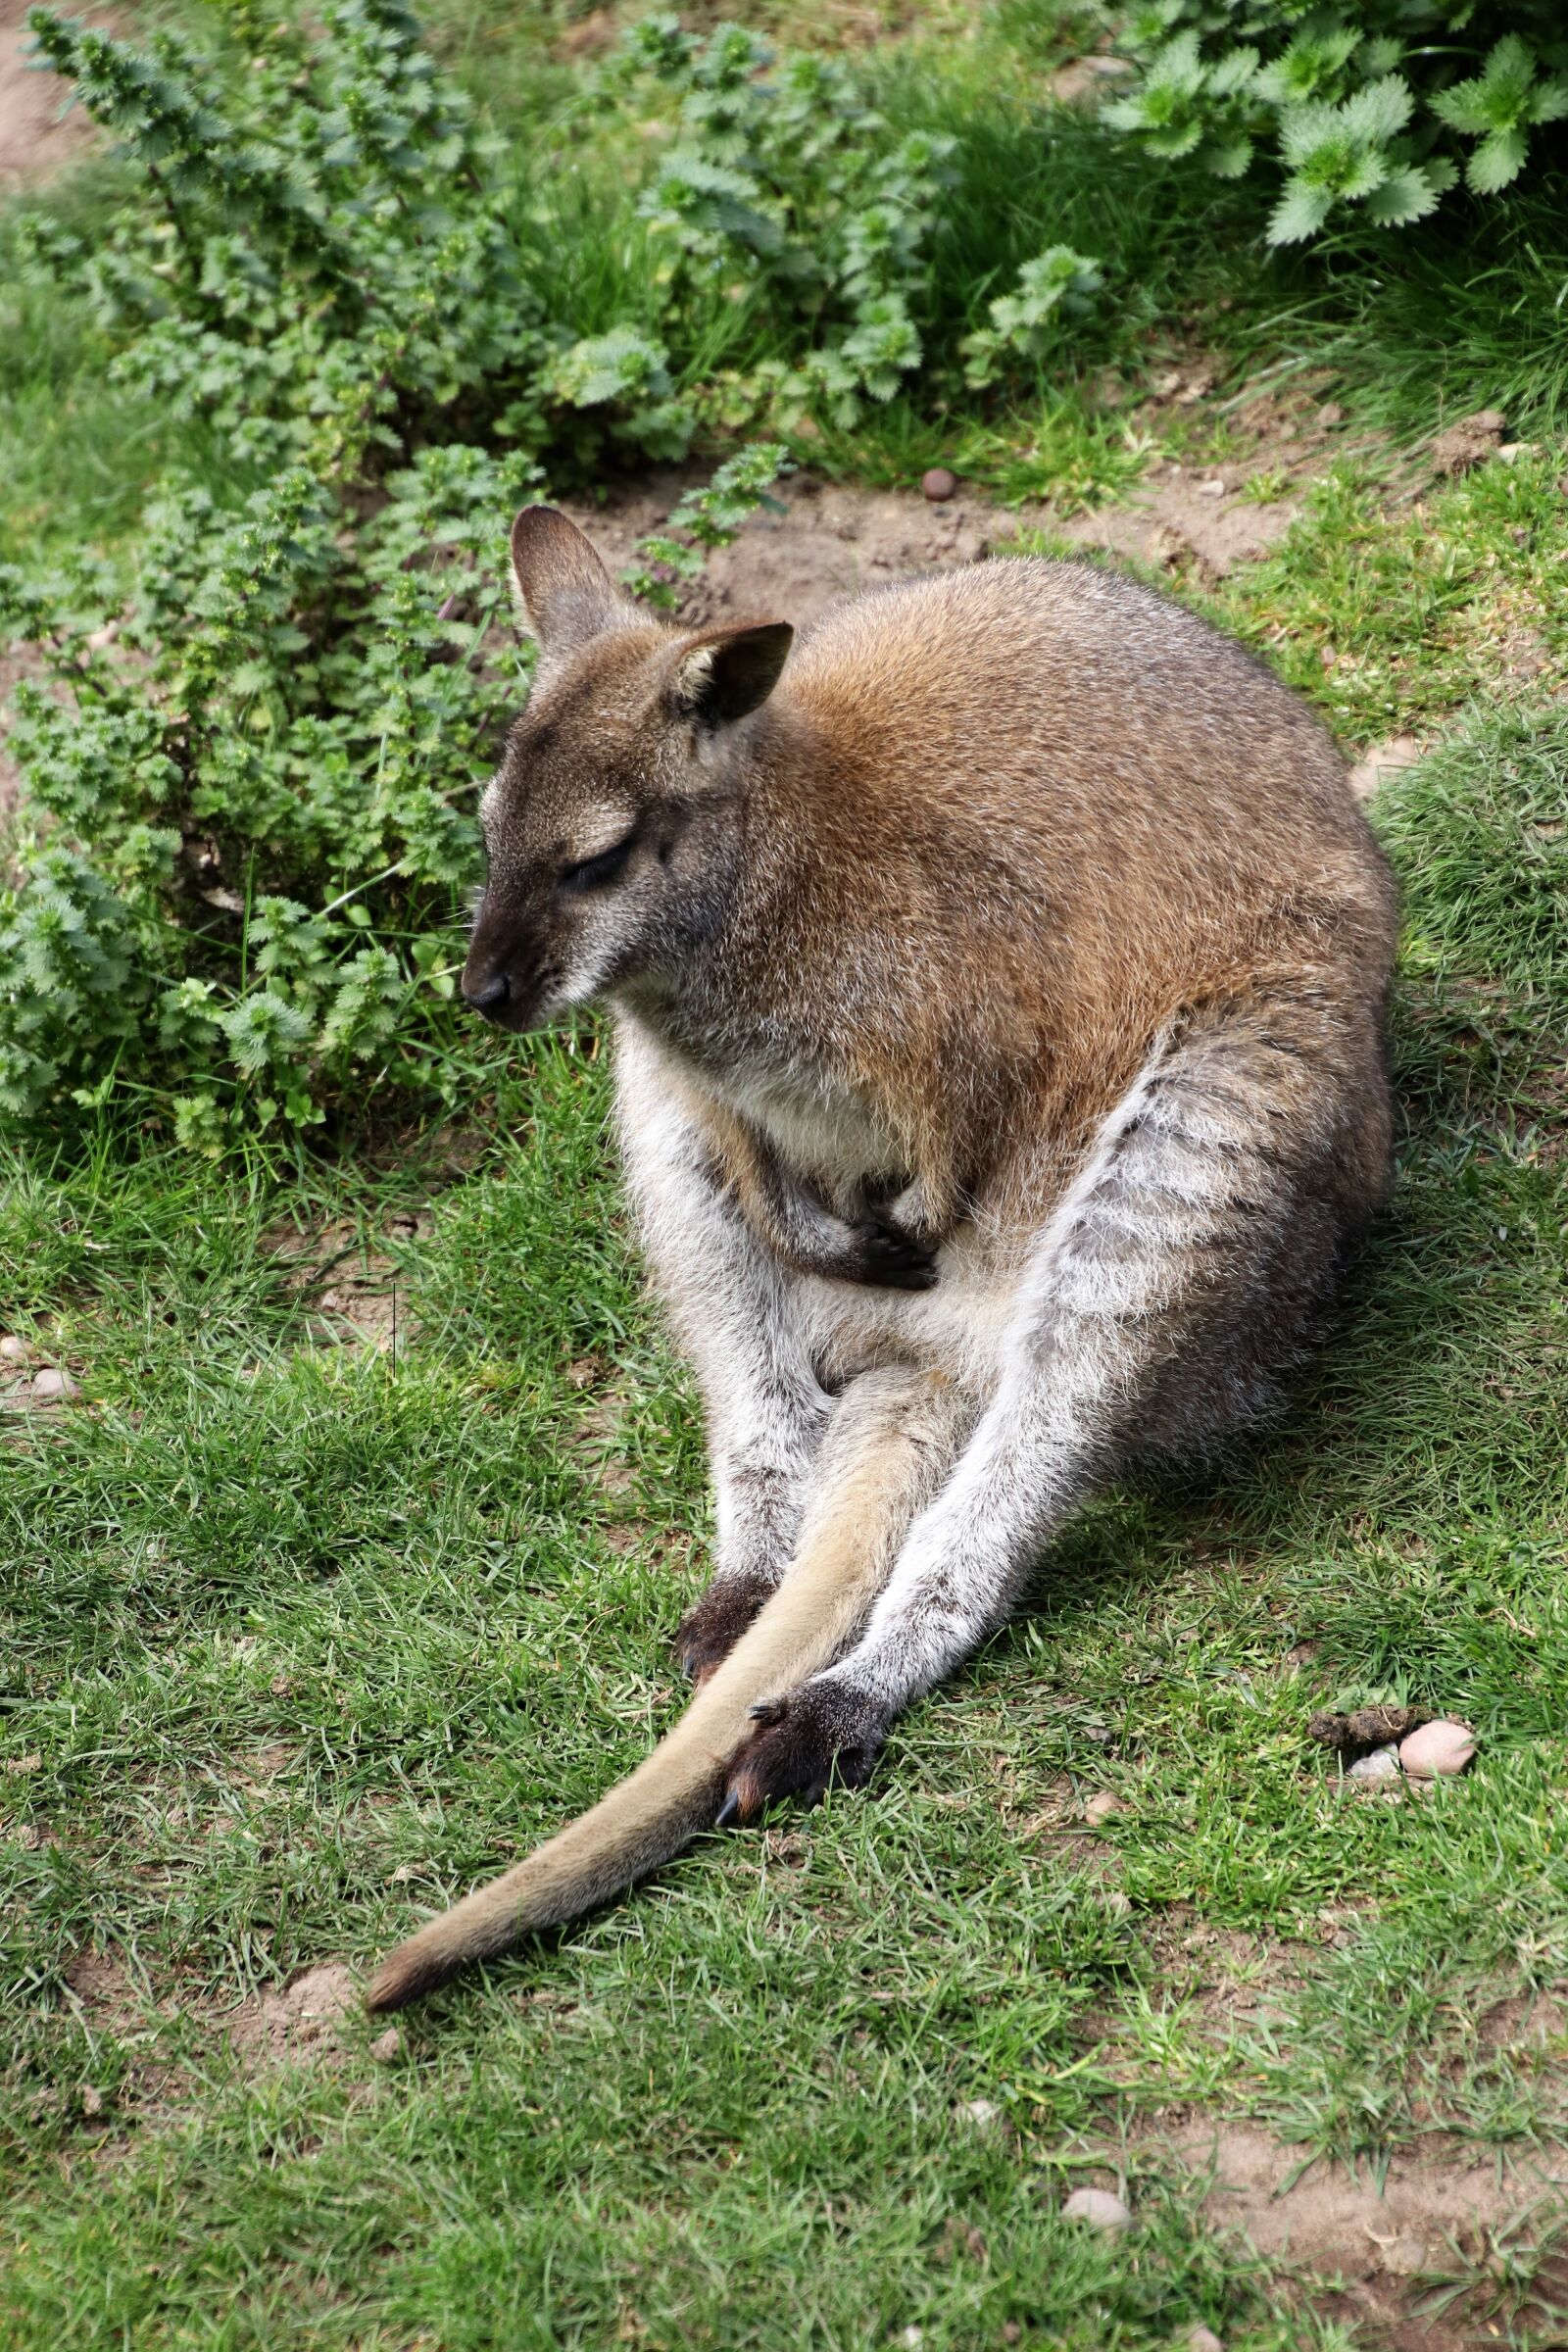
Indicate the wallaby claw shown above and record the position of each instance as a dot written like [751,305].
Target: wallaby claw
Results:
[813,1740]
[712,1627]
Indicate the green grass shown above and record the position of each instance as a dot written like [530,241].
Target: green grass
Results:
[302,1639]
[1393,619]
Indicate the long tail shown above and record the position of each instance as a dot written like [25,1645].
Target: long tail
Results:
[844,1558]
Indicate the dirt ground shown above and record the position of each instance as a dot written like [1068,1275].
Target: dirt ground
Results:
[37,137]
[831,540]
[1379,2246]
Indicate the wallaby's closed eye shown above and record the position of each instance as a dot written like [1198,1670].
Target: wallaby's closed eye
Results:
[998,980]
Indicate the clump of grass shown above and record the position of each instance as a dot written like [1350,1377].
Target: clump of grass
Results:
[1393,618]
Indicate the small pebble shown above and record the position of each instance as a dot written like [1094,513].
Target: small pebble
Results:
[1098,2208]
[1102,1806]
[13,1351]
[939,484]
[52,1385]
[1204,2339]
[1329,416]
[1438,1750]
[1214,489]
[1382,1764]
[93,2100]
[914,2336]
[385,2047]
[982,2113]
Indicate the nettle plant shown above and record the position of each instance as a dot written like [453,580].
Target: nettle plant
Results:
[248,797]
[251,761]
[786,183]
[1370,113]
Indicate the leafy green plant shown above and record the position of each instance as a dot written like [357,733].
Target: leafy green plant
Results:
[1056,286]
[1500,107]
[247,815]
[707,518]
[1370,108]
[250,757]
[787,184]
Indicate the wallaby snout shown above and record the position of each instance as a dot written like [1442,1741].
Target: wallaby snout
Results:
[511,973]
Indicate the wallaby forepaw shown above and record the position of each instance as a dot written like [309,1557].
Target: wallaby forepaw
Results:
[890,1259]
[710,1630]
[819,1737]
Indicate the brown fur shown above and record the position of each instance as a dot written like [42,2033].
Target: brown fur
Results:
[1005,882]
[944,936]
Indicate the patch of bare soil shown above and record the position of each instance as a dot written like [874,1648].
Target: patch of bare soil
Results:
[1525,2021]
[101,1990]
[304,2019]
[37,135]
[1407,2258]
[1379,2253]
[1180,516]
[830,540]
[358,1295]
[826,543]
[1212,514]
[307,2021]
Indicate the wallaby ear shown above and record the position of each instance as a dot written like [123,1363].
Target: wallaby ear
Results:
[725,673]
[564,592]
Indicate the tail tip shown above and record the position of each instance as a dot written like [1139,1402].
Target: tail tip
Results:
[401,1979]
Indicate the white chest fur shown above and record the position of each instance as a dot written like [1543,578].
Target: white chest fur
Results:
[817,1131]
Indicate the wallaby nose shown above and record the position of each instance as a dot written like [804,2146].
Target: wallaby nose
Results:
[489,998]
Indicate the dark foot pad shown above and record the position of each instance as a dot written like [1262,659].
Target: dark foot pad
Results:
[819,1738]
[707,1633]
[884,1255]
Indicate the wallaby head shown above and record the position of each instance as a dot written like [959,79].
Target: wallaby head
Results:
[615,823]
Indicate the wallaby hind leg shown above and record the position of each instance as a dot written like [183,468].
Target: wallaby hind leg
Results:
[895,1435]
[1173,1287]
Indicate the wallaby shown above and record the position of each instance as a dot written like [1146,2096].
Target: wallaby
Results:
[998,980]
